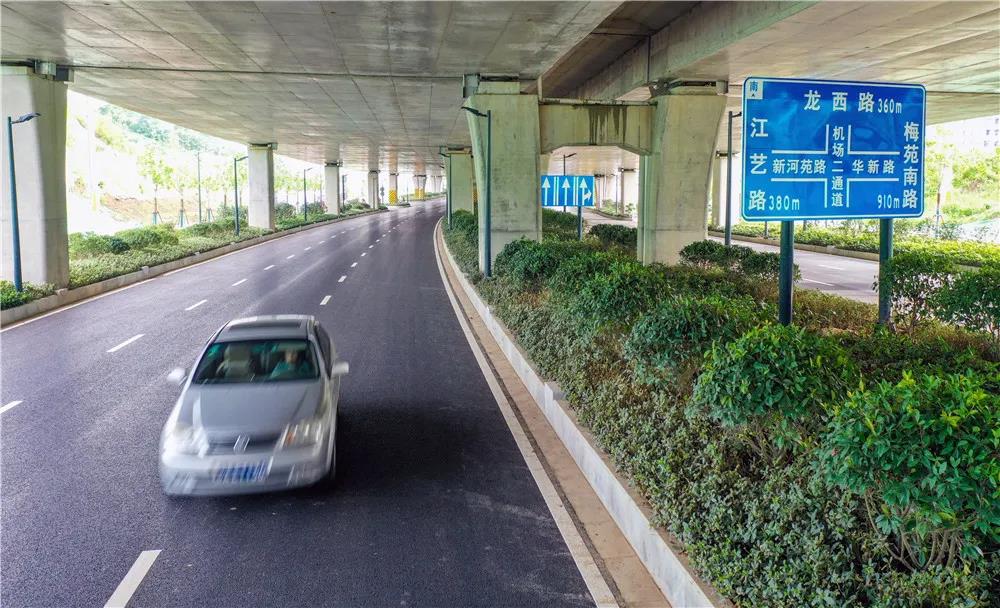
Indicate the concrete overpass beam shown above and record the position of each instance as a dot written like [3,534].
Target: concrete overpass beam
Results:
[373,188]
[514,177]
[40,164]
[676,175]
[574,122]
[260,186]
[460,185]
[331,186]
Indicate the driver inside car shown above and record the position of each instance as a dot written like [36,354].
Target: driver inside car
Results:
[294,365]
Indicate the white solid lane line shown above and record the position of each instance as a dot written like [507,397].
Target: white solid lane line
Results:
[269,267]
[814,281]
[125,343]
[354,264]
[10,406]
[290,257]
[196,305]
[121,596]
[324,301]
[241,281]
[342,278]
[830,267]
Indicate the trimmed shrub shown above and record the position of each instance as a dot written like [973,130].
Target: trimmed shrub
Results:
[914,279]
[973,301]
[10,297]
[528,262]
[615,235]
[708,254]
[148,236]
[675,334]
[764,266]
[558,226]
[84,244]
[775,384]
[284,211]
[925,455]
[821,311]
[622,292]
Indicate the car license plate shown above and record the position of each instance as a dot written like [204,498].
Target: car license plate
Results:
[248,473]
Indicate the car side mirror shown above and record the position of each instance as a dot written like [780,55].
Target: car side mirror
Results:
[340,368]
[177,376]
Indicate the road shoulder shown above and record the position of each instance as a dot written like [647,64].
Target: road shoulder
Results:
[622,573]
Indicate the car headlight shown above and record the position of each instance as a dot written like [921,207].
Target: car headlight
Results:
[185,439]
[303,433]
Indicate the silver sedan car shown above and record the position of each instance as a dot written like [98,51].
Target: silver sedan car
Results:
[257,413]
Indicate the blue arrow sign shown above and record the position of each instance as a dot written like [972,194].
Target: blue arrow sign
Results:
[567,190]
[821,149]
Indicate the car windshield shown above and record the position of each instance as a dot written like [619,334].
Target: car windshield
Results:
[257,361]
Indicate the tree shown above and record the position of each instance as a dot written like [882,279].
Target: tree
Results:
[162,175]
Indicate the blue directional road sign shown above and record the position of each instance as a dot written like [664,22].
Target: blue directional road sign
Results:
[567,190]
[821,149]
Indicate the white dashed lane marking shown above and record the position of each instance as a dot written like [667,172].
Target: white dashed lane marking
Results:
[815,281]
[125,343]
[354,264]
[132,580]
[324,301]
[196,305]
[269,267]
[240,282]
[10,406]
[342,278]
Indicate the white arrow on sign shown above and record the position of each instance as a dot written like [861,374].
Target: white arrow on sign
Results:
[585,193]
[545,191]
[565,188]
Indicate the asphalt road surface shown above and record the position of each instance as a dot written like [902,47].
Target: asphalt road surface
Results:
[434,506]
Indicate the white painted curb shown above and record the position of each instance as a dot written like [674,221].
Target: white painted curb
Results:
[662,555]
[63,297]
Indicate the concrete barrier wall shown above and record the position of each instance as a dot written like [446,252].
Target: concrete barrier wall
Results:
[64,297]
[662,555]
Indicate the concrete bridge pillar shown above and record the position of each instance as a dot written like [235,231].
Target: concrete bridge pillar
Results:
[373,188]
[393,188]
[718,166]
[419,186]
[40,164]
[460,184]
[677,174]
[513,181]
[436,184]
[260,186]
[331,187]
[629,195]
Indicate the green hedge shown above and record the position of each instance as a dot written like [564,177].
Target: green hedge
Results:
[969,253]
[95,257]
[736,430]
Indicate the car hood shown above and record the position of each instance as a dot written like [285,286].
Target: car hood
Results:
[254,407]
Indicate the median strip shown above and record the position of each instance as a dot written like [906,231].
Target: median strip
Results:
[123,593]
[196,305]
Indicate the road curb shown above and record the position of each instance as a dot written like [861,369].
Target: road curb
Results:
[662,555]
[65,297]
[827,249]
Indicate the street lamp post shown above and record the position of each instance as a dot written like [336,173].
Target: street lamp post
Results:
[447,194]
[488,115]
[198,153]
[305,197]
[15,229]
[236,191]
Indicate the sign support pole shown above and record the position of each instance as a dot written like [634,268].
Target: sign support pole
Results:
[729,184]
[884,286]
[579,221]
[786,274]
